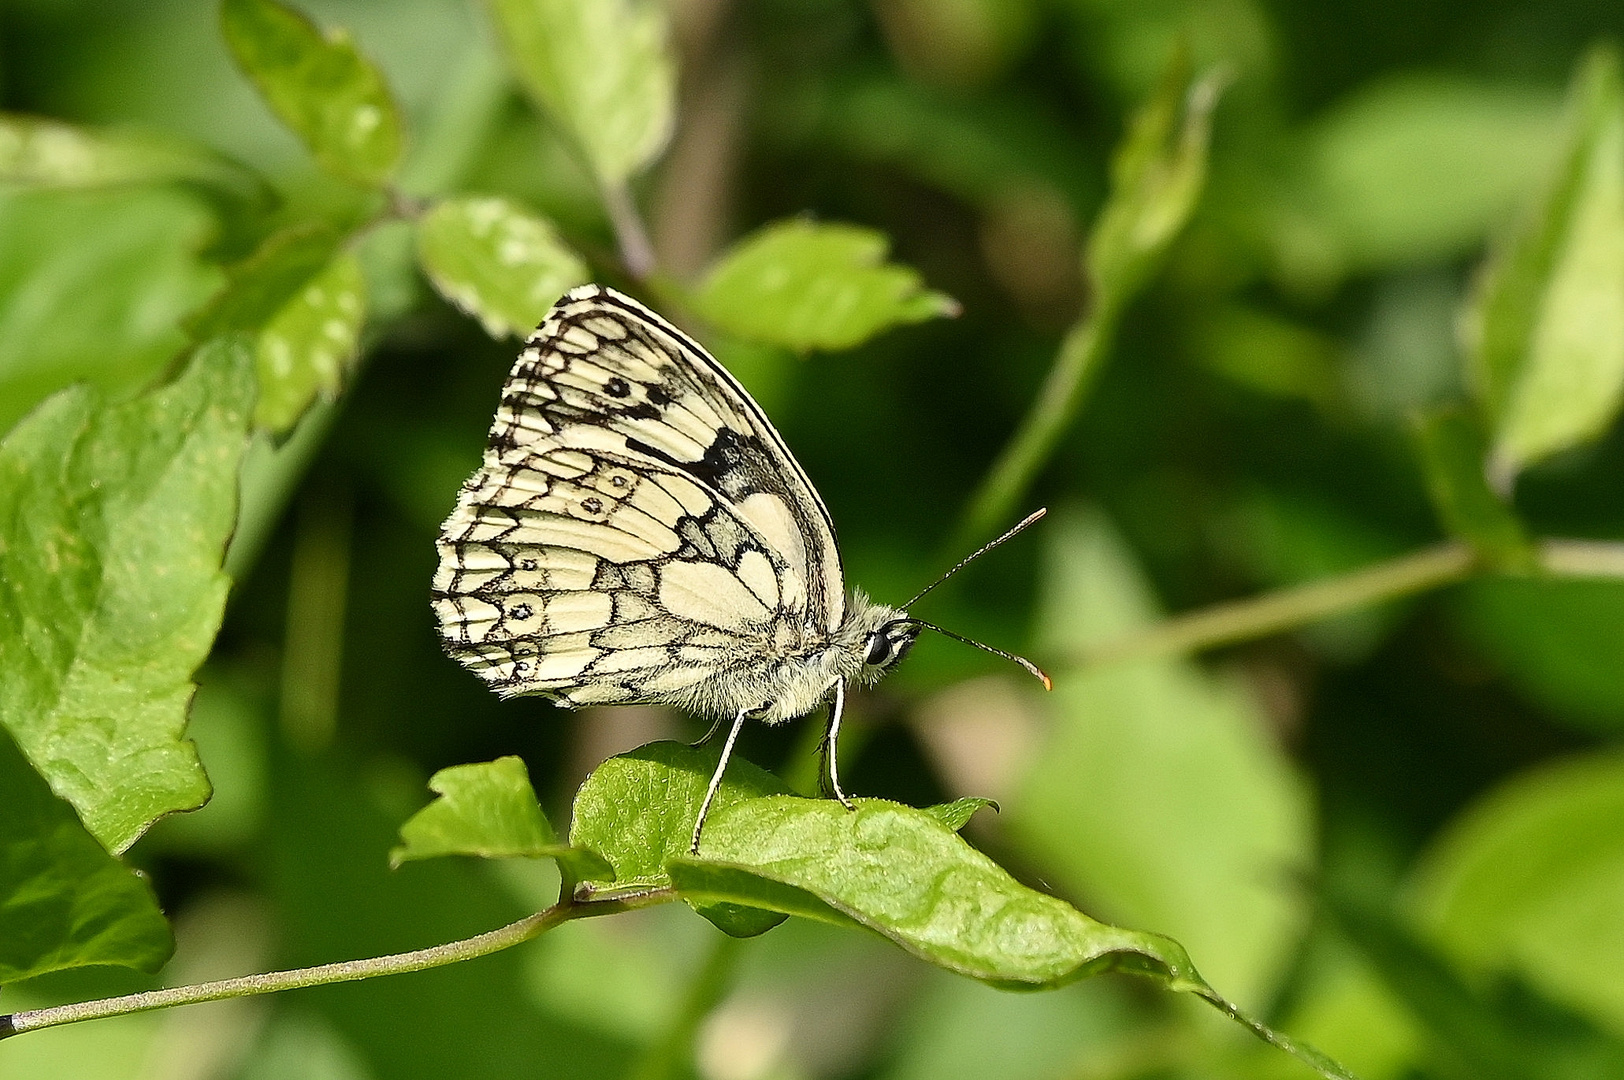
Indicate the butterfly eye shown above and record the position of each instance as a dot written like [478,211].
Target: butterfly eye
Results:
[879,649]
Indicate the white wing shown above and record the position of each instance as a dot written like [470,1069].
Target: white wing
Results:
[638,529]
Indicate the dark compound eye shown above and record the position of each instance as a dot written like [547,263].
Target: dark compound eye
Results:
[879,649]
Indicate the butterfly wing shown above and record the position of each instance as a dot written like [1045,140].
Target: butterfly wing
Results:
[637,528]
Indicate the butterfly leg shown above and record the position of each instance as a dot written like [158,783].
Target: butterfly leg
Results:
[831,748]
[709,735]
[716,778]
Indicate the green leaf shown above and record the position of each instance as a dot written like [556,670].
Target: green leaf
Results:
[1545,329]
[1531,878]
[1508,1033]
[1557,642]
[64,901]
[1411,169]
[1157,174]
[957,814]
[303,296]
[113,521]
[488,809]
[38,152]
[497,262]
[93,285]
[1160,794]
[600,70]
[330,95]
[1453,452]
[310,345]
[806,285]
[907,876]
[637,811]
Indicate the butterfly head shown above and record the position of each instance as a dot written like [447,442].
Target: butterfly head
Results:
[888,644]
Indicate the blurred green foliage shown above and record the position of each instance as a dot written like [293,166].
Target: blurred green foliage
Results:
[1395,833]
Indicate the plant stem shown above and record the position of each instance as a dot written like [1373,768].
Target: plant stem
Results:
[631,235]
[345,971]
[1242,620]
[1076,363]
[1259,616]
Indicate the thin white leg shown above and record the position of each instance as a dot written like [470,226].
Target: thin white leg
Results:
[831,745]
[716,777]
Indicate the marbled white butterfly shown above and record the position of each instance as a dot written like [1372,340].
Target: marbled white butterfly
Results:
[639,533]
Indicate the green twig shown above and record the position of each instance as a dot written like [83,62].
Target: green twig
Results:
[345,971]
[1057,403]
[1429,568]
[631,235]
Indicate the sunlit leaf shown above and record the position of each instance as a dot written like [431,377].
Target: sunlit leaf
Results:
[1160,795]
[496,261]
[1545,331]
[1454,453]
[308,347]
[64,901]
[115,519]
[957,814]
[93,286]
[1531,878]
[321,87]
[487,809]
[806,285]
[906,875]
[637,811]
[39,152]
[600,70]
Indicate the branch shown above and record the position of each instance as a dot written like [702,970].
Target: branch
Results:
[345,971]
[1259,616]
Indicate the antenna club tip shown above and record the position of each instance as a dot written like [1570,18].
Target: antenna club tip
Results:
[1048,683]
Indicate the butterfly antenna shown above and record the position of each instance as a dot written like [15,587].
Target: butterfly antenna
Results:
[976,554]
[1036,671]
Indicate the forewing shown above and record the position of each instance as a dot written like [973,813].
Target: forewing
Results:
[629,534]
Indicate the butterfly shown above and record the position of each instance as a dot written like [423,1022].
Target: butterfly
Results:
[638,533]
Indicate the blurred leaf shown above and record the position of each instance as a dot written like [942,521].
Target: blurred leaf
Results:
[309,346]
[1160,795]
[267,281]
[93,286]
[1531,878]
[488,809]
[1414,168]
[64,901]
[1157,174]
[38,152]
[1558,642]
[1454,453]
[637,811]
[330,95]
[957,43]
[336,898]
[806,285]
[115,521]
[600,70]
[497,262]
[1545,330]
[1506,1037]
[1272,355]
[957,814]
